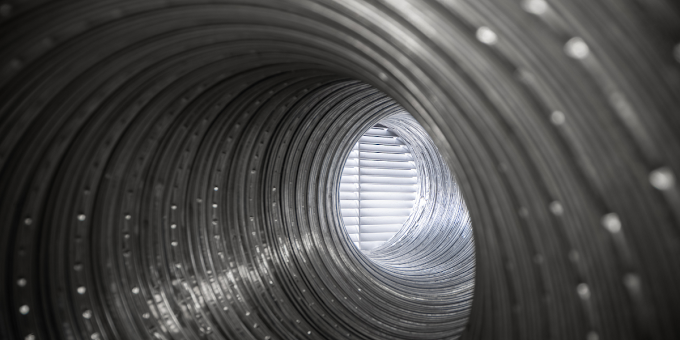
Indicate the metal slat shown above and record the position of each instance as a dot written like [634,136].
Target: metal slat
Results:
[349,212]
[387,172]
[346,195]
[387,140]
[349,187]
[385,187]
[379,179]
[348,204]
[385,156]
[378,132]
[377,228]
[386,203]
[386,164]
[388,196]
[371,147]
[376,220]
[381,211]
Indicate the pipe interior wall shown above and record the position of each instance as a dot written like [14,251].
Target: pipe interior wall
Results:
[169,169]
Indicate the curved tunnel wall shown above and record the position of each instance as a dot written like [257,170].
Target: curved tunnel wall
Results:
[148,146]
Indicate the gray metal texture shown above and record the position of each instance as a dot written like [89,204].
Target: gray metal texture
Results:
[168,169]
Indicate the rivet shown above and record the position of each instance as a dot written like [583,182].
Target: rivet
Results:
[28,221]
[576,48]
[15,64]
[135,290]
[662,178]
[592,335]
[537,7]
[583,291]
[81,290]
[81,217]
[525,76]
[523,212]
[87,314]
[48,41]
[632,282]
[486,35]
[611,222]
[538,259]
[557,118]
[24,309]
[556,208]
[21,282]
[574,256]
[619,102]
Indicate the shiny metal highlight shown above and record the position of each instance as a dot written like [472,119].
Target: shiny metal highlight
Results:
[168,168]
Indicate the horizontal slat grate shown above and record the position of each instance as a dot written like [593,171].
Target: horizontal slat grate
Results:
[378,188]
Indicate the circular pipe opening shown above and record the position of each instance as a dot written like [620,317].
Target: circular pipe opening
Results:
[378,188]
[395,168]
[170,169]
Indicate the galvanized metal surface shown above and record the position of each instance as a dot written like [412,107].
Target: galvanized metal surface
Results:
[168,168]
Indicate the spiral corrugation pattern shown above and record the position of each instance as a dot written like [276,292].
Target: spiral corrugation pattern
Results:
[168,168]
